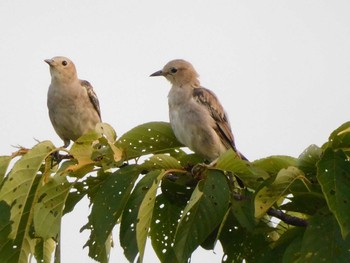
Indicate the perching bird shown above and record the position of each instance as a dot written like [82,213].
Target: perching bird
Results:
[196,115]
[73,105]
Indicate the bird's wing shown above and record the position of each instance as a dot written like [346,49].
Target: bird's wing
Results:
[92,96]
[208,99]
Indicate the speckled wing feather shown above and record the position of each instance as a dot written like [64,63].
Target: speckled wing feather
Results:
[208,99]
[92,96]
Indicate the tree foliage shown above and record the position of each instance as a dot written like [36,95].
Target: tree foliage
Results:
[289,210]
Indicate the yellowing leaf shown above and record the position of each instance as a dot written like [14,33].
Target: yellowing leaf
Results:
[270,194]
[145,215]
[93,141]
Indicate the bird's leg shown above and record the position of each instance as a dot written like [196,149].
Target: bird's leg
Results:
[66,143]
[55,157]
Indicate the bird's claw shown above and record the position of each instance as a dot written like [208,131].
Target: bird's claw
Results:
[198,170]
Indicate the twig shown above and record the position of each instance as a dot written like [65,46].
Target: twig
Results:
[290,220]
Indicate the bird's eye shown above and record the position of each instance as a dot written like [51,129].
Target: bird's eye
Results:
[173,70]
[64,63]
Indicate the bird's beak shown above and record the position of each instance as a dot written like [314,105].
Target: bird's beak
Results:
[157,73]
[49,61]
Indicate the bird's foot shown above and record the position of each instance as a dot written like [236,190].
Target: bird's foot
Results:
[57,158]
[198,170]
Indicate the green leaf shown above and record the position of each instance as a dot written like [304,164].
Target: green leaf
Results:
[281,249]
[323,242]
[178,187]
[144,217]
[44,250]
[243,210]
[20,192]
[105,152]
[340,138]
[334,177]
[292,252]
[89,186]
[163,227]
[22,246]
[82,151]
[204,212]
[190,160]
[20,180]
[152,137]
[129,219]
[271,193]
[107,205]
[94,146]
[250,175]
[161,161]
[307,161]
[274,164]
[4,163]
[240,244]
[106,130]
[49,208]
[307,203]
[5,221]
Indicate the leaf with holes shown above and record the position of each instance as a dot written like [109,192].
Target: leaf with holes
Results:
[334,177]
[144,216]
[239,244]
[49,208]
[161,161]
[152,137]
[127,234]
[272,192]
[20,180]
[163,227]
[21,247]
[203,213]
[107,206]
[20,191]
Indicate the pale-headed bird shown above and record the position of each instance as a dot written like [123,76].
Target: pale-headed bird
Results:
[196,115]
[73,105]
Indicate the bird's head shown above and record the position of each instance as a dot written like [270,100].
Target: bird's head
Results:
[62,68]
[179,72]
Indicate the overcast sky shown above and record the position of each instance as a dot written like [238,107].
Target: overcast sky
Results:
[280,68]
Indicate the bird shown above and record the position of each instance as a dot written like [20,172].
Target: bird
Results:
[73,105]
[197,117]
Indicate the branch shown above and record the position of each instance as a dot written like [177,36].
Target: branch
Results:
[290,220]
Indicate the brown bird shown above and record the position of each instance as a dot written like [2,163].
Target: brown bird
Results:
[73,105]
[196,115]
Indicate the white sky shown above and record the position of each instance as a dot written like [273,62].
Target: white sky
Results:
[280,68]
